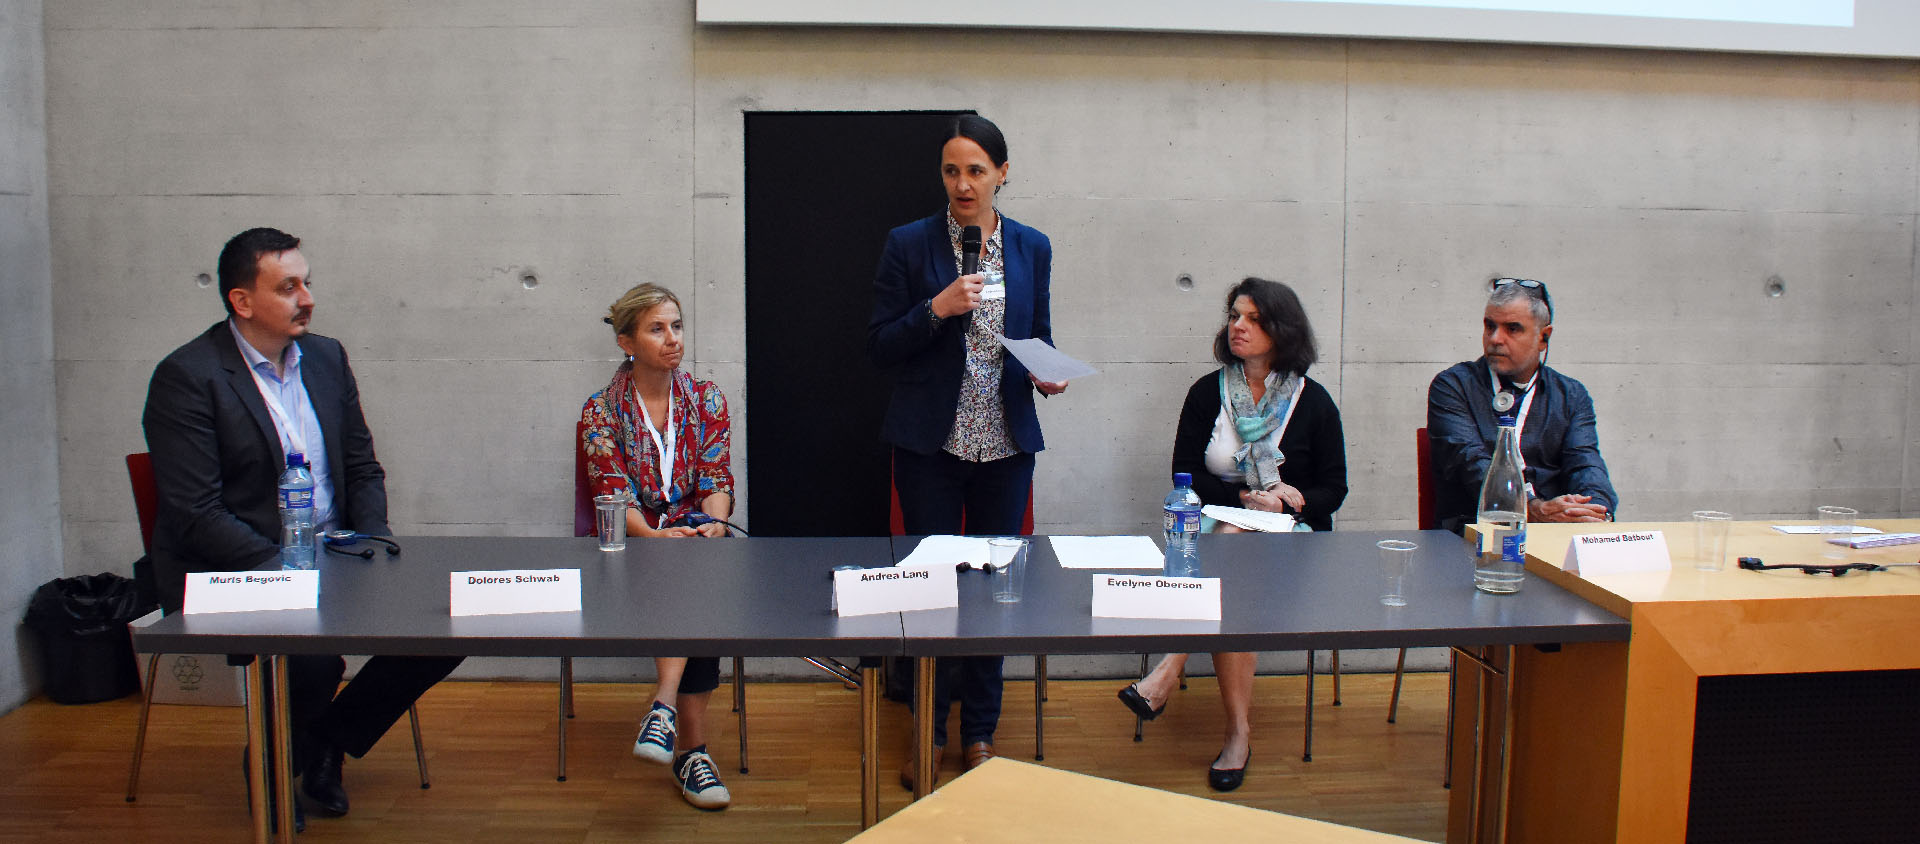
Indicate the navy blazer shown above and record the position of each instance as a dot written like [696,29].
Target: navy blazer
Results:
[929,360]
[1559,442]
[217,458]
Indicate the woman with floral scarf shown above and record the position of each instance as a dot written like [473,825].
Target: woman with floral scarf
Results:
[660,436]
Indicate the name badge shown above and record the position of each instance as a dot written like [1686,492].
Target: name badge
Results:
[515,591]
[1143,596]
[895,589]
[1618,553]
[994,287]
[250,591]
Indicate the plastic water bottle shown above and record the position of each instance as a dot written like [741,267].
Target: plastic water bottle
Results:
[296,514]
[1181,520]
[1501,565]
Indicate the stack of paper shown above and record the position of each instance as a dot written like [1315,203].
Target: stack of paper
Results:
[949,551]
[1880,541]
[1244,519]
[1106,552]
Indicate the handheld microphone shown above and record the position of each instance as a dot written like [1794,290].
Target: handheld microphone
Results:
[969,261]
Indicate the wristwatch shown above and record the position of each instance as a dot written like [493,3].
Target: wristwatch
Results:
[932,318]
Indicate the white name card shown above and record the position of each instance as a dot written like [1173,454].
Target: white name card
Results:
[1146,596]
[896,589]
[515,591]
[1618,553]
[249,591]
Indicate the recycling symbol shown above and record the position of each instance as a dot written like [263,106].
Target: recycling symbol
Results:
[187,673]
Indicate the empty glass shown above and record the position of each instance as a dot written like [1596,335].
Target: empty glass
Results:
[1836,523]
[1009,574]
[1710,528]
[1396,556]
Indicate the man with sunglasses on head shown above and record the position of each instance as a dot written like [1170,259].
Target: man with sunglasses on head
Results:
[222,413]
[1559,445]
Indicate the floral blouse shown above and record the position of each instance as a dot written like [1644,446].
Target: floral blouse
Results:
[619,449]
[980,419]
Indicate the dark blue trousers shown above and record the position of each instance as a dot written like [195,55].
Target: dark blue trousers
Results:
[941,493]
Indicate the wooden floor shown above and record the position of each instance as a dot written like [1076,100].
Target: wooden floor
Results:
[491,753]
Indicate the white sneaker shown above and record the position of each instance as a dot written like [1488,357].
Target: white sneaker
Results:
[700,783]
[657,730]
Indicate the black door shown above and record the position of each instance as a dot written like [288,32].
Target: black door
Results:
[823,188]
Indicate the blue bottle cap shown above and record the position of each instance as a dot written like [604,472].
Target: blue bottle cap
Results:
[1182,479]
[296,459]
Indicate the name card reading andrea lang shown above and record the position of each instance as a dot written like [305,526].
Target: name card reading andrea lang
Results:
[1145,596]
[1618,553]
[895,589]
[515,591]
[250,591]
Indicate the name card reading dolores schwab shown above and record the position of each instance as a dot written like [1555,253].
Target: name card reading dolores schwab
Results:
[1591,554]
[895,589]
[515,591]
[1145,596]
[248,591]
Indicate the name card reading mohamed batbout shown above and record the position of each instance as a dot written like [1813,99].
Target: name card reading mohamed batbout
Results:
[250,591]
[895,589]
[515,591]
[1150,596]
[1590,554]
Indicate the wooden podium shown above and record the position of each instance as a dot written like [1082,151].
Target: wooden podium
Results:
[1604,748]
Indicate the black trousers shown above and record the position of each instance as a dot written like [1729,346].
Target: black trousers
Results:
[354,718]
[942,494]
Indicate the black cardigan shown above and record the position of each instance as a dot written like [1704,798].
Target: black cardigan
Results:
[1314,446]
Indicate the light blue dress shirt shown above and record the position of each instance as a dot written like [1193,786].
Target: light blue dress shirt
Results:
[291,392]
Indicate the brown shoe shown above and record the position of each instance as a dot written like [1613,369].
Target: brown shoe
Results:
[906,769]
[978,753]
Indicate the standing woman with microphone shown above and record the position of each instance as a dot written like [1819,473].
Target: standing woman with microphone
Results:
[961,420]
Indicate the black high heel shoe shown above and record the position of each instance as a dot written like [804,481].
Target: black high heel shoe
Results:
[1227,779]
[1138,702]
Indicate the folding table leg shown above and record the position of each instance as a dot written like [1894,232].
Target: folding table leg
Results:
[870,684]
[925,765]
[257,748]
[282,751]
[1039,708]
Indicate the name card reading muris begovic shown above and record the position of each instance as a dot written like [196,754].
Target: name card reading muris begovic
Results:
[1147,596]
[514,591]
[250,591]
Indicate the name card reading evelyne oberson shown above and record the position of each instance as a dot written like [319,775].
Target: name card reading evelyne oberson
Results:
[1589,554]
[1146,596]
[248,591]
[895,589]
[515,591]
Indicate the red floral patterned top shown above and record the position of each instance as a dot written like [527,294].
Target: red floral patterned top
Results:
[619,449]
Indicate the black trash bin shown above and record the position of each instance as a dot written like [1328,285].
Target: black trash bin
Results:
[82,626]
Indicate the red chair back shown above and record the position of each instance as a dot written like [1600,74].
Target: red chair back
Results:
[1423,457]
[146,497]
[582,493]
[896,523]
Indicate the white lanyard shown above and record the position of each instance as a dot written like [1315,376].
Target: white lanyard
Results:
[295,437]
[1520,420]
[666,451]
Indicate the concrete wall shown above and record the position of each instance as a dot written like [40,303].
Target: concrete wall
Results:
[433,152]
[29,449]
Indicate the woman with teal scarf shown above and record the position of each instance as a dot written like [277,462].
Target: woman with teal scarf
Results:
[1256,433]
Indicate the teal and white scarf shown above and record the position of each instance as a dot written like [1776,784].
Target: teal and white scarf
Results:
[1259,424]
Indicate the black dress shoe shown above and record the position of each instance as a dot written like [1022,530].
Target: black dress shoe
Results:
[321,782]
[1227,779]
[1138,702]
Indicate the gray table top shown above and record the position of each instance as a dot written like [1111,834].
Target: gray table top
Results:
[731,597]
[770,597]
[1291,591]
